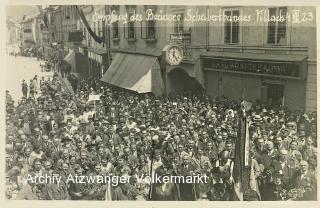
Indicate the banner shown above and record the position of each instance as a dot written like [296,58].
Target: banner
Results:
[43,16]
[239,161]
[85,22]
[94,97]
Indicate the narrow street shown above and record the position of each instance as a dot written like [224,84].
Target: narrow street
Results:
[20,68]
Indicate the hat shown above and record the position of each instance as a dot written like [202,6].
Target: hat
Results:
[290,124]
[82,121]
[257,118]
[264,110]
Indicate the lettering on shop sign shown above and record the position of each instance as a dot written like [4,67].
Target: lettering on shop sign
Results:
[248,66]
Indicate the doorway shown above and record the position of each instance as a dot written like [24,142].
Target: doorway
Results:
[181,82]
[273,94]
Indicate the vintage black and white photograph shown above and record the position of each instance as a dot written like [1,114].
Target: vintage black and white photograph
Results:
[161,103]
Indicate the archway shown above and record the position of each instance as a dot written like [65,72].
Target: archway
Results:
[181,82]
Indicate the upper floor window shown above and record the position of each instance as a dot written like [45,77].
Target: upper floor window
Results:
[148,27]
[115,29]
[231,27]
[151,29]
[178,25]
[115,25]
[131,31]
[129,28]
[277,29]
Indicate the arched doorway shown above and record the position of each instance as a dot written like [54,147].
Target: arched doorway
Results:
[180,82]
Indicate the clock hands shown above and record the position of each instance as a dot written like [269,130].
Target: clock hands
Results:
[174,55]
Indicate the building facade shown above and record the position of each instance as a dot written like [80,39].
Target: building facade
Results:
[12,32]
[273,62]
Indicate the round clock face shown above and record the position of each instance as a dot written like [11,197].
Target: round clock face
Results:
[174,55]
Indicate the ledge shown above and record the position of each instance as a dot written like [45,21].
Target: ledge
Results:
[132,39]
[115,39]
[150,40]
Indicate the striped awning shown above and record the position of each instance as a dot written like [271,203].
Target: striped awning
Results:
[134,72]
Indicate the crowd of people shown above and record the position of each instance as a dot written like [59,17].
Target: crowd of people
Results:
[51,131]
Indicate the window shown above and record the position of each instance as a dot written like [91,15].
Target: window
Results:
[131,30]
[115,29]
[178,25]
[277,29]
[115,25]
[67,13]
[151,30]
[231,27]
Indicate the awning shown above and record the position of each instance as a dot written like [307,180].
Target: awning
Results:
[134,72]
[255,56]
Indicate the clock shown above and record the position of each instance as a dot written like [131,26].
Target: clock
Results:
[174,54]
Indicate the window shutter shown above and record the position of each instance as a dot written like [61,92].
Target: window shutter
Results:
[143,29]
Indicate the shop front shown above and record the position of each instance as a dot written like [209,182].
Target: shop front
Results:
[272,79]
[97,62]
[82,61]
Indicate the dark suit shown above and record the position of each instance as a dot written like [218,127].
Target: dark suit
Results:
[187,190]
[286,170]
[267,158]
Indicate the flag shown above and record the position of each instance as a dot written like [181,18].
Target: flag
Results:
[45,20]
[253,180]
[85,22]
[239,161]
[246,105]
[43,16]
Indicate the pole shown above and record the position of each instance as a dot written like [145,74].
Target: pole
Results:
[151,167]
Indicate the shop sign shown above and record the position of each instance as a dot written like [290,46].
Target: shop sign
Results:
[181,38]
[257,67]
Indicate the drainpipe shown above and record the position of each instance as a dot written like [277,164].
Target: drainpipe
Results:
[207,30]
[108,40]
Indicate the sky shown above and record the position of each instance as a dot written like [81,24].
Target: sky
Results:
[16,12]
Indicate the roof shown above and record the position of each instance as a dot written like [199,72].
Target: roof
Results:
[30,17]
[255,56]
